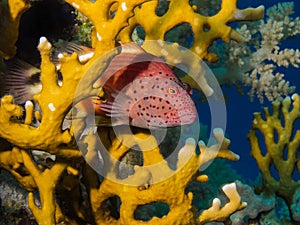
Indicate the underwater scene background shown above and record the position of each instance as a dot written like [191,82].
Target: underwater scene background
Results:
[237,115]
[58,166]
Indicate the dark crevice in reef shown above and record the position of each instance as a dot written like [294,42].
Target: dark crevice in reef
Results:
[50,18]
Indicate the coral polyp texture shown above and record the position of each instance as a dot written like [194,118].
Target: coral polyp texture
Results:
[42,153]
[282,141]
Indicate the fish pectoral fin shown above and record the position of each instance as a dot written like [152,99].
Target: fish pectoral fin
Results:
[114,112]
[119,107]
[21,80]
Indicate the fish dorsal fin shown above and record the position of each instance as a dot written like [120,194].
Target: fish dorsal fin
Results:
[21,80]
[130,54]
[69,48]
[131,48]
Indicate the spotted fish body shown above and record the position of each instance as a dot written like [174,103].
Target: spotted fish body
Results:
[169,105]
[144,92]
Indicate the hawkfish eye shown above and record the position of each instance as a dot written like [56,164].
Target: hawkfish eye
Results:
[172,91]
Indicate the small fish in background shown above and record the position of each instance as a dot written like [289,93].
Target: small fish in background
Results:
[22,80]
[140,89]
[84,53]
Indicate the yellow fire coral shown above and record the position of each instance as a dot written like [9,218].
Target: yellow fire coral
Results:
[282,141]
[109,17]
[205,29]
[149,185]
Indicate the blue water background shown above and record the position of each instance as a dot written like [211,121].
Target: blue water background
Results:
[240,109]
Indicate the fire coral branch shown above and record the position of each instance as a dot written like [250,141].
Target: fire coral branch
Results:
[287,140]
[109,18]
[48,135]
[46,182]
[205,29]
[150,183]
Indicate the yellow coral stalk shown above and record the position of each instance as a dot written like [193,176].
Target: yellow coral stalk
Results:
[46,182]
[282,145]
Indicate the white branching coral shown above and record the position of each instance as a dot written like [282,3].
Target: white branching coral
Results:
[282,12]
[286,57]
[256,61]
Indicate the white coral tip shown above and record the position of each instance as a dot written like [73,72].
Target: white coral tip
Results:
[201,144]
[44,44]
[190,141]
[262,7]
[124,6]
[218,131]
[43,39]
[28,104]
[216,202]
[229,187]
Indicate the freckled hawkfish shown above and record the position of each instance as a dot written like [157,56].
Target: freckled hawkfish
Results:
[143,91]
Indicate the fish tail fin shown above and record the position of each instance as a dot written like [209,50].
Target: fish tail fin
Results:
[21,80]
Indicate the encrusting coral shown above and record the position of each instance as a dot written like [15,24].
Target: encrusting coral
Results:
[256,205]
[282,141]
[68,172]
[295,207]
